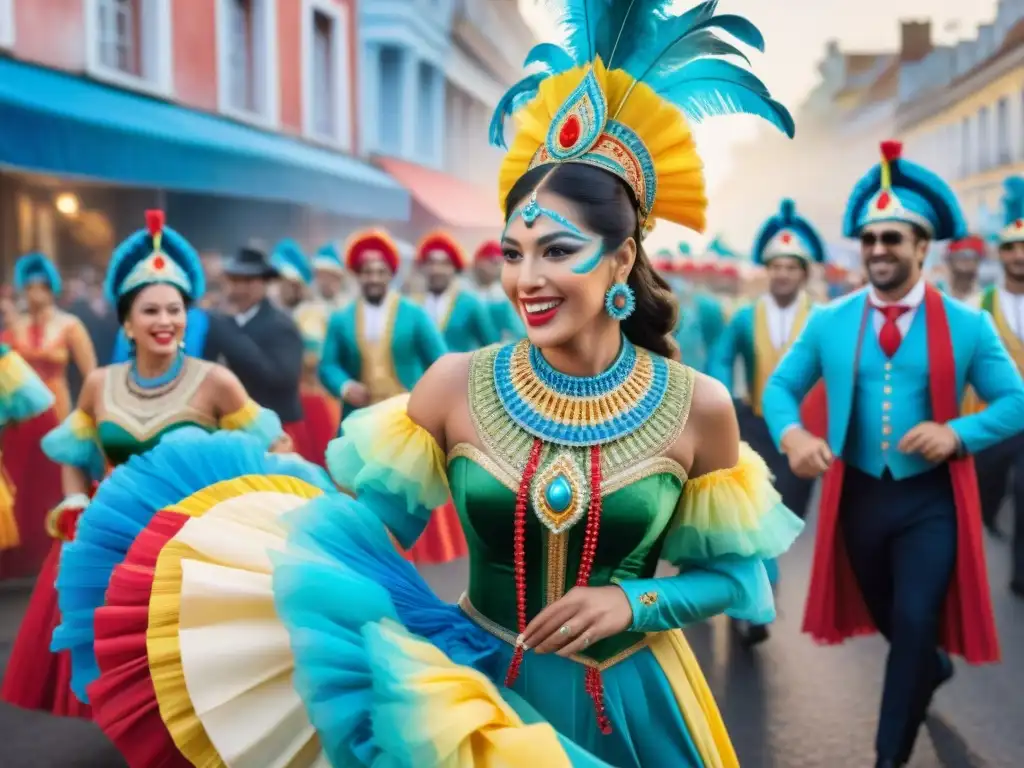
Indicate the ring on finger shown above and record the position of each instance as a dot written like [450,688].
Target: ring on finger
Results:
[565,629]
[586,640]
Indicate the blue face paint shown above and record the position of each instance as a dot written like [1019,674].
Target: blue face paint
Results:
[532,211]
[590,264]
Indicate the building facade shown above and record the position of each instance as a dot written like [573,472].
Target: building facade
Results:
[238,116]
[961,112]
[839,126]
[433,72]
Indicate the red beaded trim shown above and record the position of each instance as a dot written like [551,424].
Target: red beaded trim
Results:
[592,680]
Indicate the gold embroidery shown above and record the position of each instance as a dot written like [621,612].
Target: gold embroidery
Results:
[648,598]
[766,355]
[376,358]
[143,418]
[558,545]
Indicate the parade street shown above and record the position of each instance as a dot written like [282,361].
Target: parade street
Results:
[787,704]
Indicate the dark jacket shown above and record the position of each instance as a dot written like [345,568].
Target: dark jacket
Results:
[265,354]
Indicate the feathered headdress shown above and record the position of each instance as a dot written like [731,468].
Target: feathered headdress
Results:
[36,268]
[787,233]
[291,263]
[1013,211]
[156,254]
[617,93]
[899,190]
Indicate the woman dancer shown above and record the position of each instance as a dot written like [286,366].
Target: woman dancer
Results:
[124,410]
[23,396]
[575,458]
[47,339]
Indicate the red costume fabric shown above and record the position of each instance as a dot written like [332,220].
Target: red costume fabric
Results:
[835,608]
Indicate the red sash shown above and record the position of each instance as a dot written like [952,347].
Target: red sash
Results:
[835,607]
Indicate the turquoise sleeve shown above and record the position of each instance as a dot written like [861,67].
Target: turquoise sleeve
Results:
[332,375]
[997,381]
[736,587]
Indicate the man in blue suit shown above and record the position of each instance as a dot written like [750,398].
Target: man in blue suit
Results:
[899,547]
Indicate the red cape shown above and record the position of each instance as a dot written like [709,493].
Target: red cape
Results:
[835,607]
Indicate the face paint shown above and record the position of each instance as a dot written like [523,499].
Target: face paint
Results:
[590,264]
[533,211]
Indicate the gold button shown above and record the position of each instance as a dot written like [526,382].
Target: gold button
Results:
[886,430]
[887,389]
[885,417]
[888,366]
[886,405]
[885,446]
[648,598]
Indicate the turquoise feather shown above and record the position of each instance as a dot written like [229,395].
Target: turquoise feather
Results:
[1013,200]
[676,53]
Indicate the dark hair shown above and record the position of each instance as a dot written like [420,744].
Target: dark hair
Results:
[125,302]
[609,208]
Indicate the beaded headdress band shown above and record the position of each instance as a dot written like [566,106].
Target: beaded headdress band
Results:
[616,95]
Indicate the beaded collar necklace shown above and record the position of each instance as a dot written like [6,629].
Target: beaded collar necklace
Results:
[580,415]
[157,385]
[579,410]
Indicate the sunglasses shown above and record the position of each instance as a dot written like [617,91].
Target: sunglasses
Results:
[889,238]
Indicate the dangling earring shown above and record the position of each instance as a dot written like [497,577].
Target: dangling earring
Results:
[131,345]
[181,345]
[619,302]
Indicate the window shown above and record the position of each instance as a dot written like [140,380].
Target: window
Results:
[326,72]
[426,125]
[389,101]
[965,147]
[129,42]
[6,23]
[1003,131]
[247,59]
[984,140]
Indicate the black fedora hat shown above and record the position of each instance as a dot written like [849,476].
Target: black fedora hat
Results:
[250,262]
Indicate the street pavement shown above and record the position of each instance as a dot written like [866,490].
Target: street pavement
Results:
[787,703]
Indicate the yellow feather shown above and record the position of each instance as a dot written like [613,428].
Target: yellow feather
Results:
[661,126]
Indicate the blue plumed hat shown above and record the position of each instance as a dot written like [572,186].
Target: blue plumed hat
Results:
[787,233]
[328,258]
[1013,211]
[899,190]
[291,263]
[36,268]
[156,254]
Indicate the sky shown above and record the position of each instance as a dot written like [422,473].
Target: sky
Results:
[796,33]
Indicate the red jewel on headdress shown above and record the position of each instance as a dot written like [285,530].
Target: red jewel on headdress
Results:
[1019,223]
[786,237]
[570,132]
[158,262]
[883,201]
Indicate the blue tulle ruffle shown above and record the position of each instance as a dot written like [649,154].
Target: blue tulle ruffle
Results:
[186,461]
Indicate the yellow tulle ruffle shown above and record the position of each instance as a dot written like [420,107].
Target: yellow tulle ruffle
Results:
[382,448]
[212,586]
[660,125]
[734,512]
[9,535]
[445,714]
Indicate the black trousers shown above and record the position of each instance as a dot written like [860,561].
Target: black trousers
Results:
[795,491]
[901,538]
[995,467]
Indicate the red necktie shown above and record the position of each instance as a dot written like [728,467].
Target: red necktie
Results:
[889,337]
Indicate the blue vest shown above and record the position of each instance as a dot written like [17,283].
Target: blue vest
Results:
[891,397]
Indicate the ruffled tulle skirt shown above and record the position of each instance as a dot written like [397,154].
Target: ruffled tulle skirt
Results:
[262,619]
[36,677]
[35,481]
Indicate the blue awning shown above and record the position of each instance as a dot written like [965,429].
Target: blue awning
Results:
[56,123]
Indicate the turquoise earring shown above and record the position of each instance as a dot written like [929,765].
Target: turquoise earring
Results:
[619,302]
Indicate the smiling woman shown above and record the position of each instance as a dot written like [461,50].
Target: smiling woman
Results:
[576,458]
